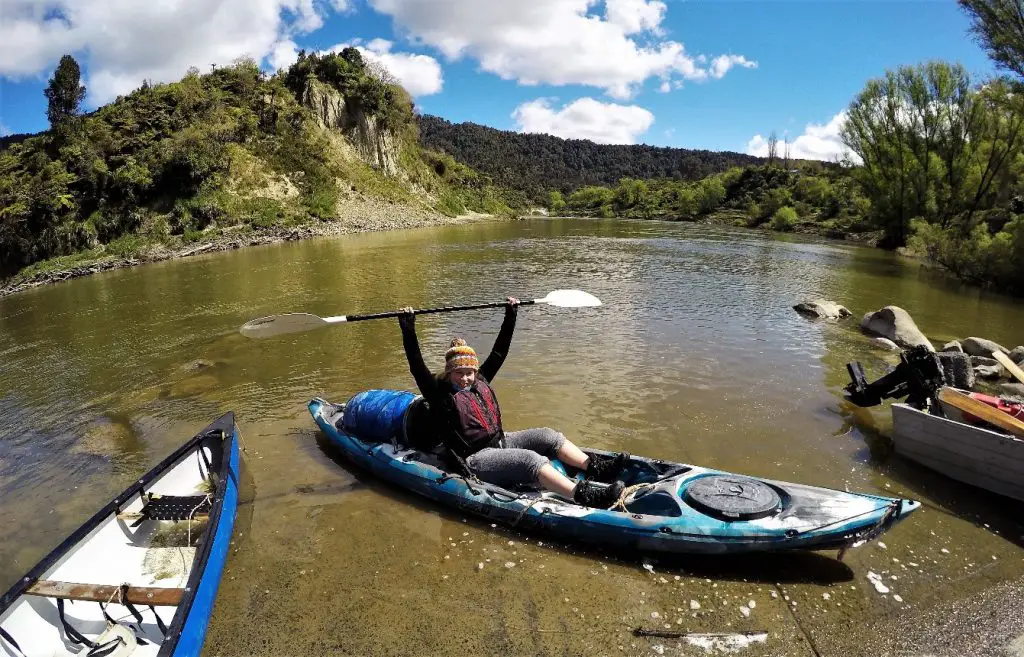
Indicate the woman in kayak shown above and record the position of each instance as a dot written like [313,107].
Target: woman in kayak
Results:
[466,416]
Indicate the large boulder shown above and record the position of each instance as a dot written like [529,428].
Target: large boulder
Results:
[896,324]
[1017,355]
[989,369]
[989,372]
[822,309]
[982,347]
[957,370]
[1015,389]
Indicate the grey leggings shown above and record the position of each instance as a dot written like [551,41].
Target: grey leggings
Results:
[520,460]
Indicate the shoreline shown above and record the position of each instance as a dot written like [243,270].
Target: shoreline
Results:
[366,219]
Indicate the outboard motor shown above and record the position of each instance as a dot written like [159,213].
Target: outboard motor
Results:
[918,377]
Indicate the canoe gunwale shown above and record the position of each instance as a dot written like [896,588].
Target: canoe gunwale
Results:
[226,424]
[202,557]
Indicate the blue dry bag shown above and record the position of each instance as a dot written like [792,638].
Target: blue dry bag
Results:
[377,415]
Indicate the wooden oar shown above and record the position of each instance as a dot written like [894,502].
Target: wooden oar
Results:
[982,411]
[1010,366]
[266,327]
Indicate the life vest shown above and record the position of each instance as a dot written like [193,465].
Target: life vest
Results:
[475,416]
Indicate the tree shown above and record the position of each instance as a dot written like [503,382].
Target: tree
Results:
[999,28]
[773,147]
[555,200]
[64,93]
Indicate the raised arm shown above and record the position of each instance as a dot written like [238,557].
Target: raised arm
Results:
[502,344]
[420,371]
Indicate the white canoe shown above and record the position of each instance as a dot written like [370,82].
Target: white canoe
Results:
[980,457]
[139,578]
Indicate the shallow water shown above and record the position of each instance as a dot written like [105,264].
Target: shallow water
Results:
[695,356]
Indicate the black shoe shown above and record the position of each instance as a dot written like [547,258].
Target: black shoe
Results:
[606,470]
[588,493]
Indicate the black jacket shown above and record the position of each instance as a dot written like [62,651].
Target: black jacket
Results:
[438,391]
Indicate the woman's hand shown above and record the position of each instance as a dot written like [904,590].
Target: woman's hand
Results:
[512,302]
[407,319]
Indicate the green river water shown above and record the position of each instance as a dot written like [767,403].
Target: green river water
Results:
[695,356]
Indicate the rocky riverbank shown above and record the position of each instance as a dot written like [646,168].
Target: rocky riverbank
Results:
[357,216]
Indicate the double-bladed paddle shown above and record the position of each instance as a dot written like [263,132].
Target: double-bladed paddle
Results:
[266,327]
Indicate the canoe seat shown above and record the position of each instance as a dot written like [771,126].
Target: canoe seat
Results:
[171,507]
[136,595]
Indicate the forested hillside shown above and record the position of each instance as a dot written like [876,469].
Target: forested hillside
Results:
[233,149]
[537,164]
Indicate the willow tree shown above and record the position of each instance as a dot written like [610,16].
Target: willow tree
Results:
[998,25]
[931,144]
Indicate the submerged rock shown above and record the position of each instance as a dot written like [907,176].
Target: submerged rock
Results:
[896,324]
[982,347]
[822,309]
[885,343]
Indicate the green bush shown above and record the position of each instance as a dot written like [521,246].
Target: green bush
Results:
[784,219]
[450,204]
[321,200]
[125,246]
[260,212]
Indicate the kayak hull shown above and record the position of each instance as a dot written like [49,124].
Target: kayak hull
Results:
[658,518]
[141,575]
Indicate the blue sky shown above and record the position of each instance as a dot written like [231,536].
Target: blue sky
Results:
[693,74]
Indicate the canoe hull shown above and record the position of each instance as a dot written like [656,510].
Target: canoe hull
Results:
[974,455]
[166,537]
[814,519]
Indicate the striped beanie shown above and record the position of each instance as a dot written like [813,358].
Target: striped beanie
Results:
[459,354]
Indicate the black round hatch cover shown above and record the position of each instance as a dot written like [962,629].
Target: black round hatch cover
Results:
[729,497]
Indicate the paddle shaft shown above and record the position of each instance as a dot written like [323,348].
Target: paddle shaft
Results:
[428,311]
[1010,366]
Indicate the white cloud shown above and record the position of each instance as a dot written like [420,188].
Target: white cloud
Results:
[4,130]
[665,87]
[720,65]
[586,118]
[555,42]
[818,142]
[420,74]
[283,54]
[635,16]
[123,42]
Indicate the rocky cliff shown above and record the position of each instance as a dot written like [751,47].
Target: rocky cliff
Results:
[375,145]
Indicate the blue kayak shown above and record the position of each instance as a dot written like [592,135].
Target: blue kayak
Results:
[668,507]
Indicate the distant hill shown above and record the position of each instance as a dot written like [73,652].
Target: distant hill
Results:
[537,163]
[10,140]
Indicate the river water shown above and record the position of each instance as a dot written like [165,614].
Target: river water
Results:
[695,356]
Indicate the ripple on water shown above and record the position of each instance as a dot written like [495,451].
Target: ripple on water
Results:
[695,356]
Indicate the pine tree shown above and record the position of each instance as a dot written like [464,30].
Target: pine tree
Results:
[65,92]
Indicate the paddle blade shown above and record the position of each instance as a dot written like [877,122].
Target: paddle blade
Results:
[266,327]
[570,299]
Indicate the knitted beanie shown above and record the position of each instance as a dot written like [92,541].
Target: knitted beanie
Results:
[459,354]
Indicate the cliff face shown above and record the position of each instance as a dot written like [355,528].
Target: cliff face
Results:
[375,146]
